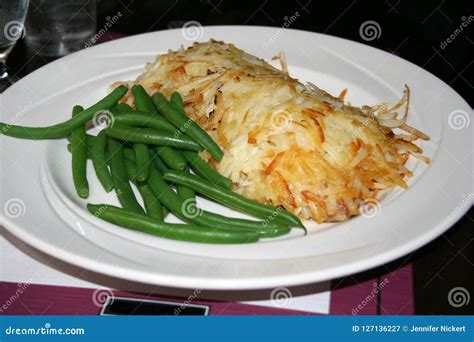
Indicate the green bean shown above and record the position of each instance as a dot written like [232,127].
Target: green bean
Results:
[120,177]
[89,147]
[90,139]
[158,161]
[184,232]
[79,156]
[143,101]
[142,119]
[89,153]
[153,207]
[131,170]
[64,128]
[189,212]
[180,120]
[129,154]
[120,108]
[98,152]
[203,169]
[171,157]
[143,161]
[184,192]
[150,136]
[232,199]
[123,107]
[177,100]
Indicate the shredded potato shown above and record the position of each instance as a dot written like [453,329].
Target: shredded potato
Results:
[286,143]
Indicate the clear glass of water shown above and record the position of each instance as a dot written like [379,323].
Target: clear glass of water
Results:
[59,27]
[12,17]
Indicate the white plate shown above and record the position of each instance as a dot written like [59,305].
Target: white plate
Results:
[41,207]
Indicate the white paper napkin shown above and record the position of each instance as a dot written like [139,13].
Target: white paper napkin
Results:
[20,263]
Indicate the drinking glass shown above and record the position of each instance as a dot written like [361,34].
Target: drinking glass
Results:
[12,18]
[57,28]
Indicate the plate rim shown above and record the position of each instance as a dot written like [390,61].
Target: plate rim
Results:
[355,267]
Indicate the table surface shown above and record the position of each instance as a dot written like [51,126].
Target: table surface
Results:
[415,32]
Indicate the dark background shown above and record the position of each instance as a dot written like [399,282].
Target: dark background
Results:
[414,30]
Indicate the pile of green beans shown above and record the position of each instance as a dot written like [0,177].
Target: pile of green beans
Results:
[152,148]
